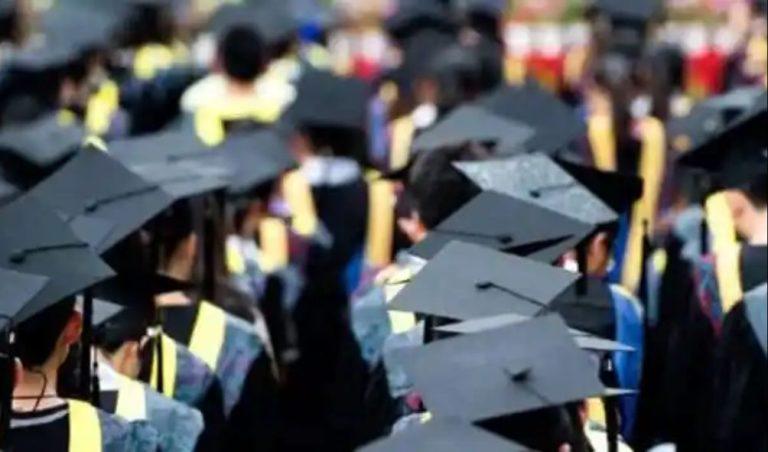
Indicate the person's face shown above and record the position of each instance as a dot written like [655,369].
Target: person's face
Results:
[412,227]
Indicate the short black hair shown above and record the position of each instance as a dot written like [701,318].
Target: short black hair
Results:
[36,337]
[242,53]
[436,188]
[757,191]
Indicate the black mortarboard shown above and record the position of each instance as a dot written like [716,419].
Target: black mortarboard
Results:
[493,8]
[695,128]
[52,56]
[629,22]
[326,100]
[507,224]
[638,10]
[584,340]
[739,152]
[79,26]
[465,281]
[536,179]
[443,435]
[36,240]
[275,21]
[95,184]
[592,312]
[510,370]
[470,124]
[256,157]
[756,308]
[91,230]
[104,311]
[619,191]
[8,190]
[555,123]
[412,16]
[16,290]
[42,143]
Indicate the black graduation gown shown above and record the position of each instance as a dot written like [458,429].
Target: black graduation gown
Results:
[738,414]
[343,210]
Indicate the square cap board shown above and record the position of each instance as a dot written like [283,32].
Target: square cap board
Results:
[506,371]
[466,281]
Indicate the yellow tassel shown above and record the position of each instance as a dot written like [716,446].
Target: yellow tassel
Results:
[602,141]
[298,196]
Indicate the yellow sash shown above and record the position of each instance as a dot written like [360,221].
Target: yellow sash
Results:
[298,196]
[720,222]
[652,161]
[150,59]
[131,402]
[169,367]
[596,411]
[234,259]
[515,70]
[208,334]
[209,120]
[402,137]
[728,269]
[101,106]
[381,219]
[393,284]
[84,427]
[273,241]
[602,141]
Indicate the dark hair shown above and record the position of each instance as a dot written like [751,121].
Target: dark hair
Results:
[339,141]
[242,53]
[757,191]
[542,429]
[436,188]
[129,325]
[36,337]
[146,23]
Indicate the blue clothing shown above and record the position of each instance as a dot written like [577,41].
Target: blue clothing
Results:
[629,331]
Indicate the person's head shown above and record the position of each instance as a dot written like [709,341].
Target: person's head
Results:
[749,205]
[120,340]
[44,340]
[598,251]
[437,189]
[176,239]
[242,54]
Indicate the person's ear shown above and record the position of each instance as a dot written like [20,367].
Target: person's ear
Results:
[73,329]
[413,227]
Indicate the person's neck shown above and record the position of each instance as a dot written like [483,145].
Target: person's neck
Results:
[759,234]
[179,270]
[33,385]
[237,88]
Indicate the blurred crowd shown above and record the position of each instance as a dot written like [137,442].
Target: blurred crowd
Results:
[383,225]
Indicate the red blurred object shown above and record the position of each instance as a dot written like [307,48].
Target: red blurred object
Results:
[547,69]
[365,68]
[705,73]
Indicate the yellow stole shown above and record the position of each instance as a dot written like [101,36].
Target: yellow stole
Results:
[274,244]
[651,169]
[131,401]
[403,130]
[298,195]
[728,271]
[210,120]
[208,334]
[169,367]
[381,219]
[84,427]
[720,222]
[101,106]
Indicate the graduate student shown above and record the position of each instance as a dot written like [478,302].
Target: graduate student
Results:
[46,329]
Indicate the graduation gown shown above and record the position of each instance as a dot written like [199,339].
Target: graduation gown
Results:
[179,426]
[228,345]
[78,427]
[738,413]
[188,380]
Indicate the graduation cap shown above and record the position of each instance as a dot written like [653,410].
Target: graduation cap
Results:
[256,158]
[273,20]
[537,179]
[756,305]
[506,224]
[510,370]
[619,191]
[326,100]
[466,281]
[470,124]
[738,153]
[418,51]
[591,311]
[629,20]
[42,143]
[491,8]
[94,184]
[79,26]
[444,435]
[584,340]
[52,56]
[16,290]
[695,128]
[412,16]
[36,240]
[640,10]
[555,123]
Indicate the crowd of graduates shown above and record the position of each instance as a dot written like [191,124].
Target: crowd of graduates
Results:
[213,239]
